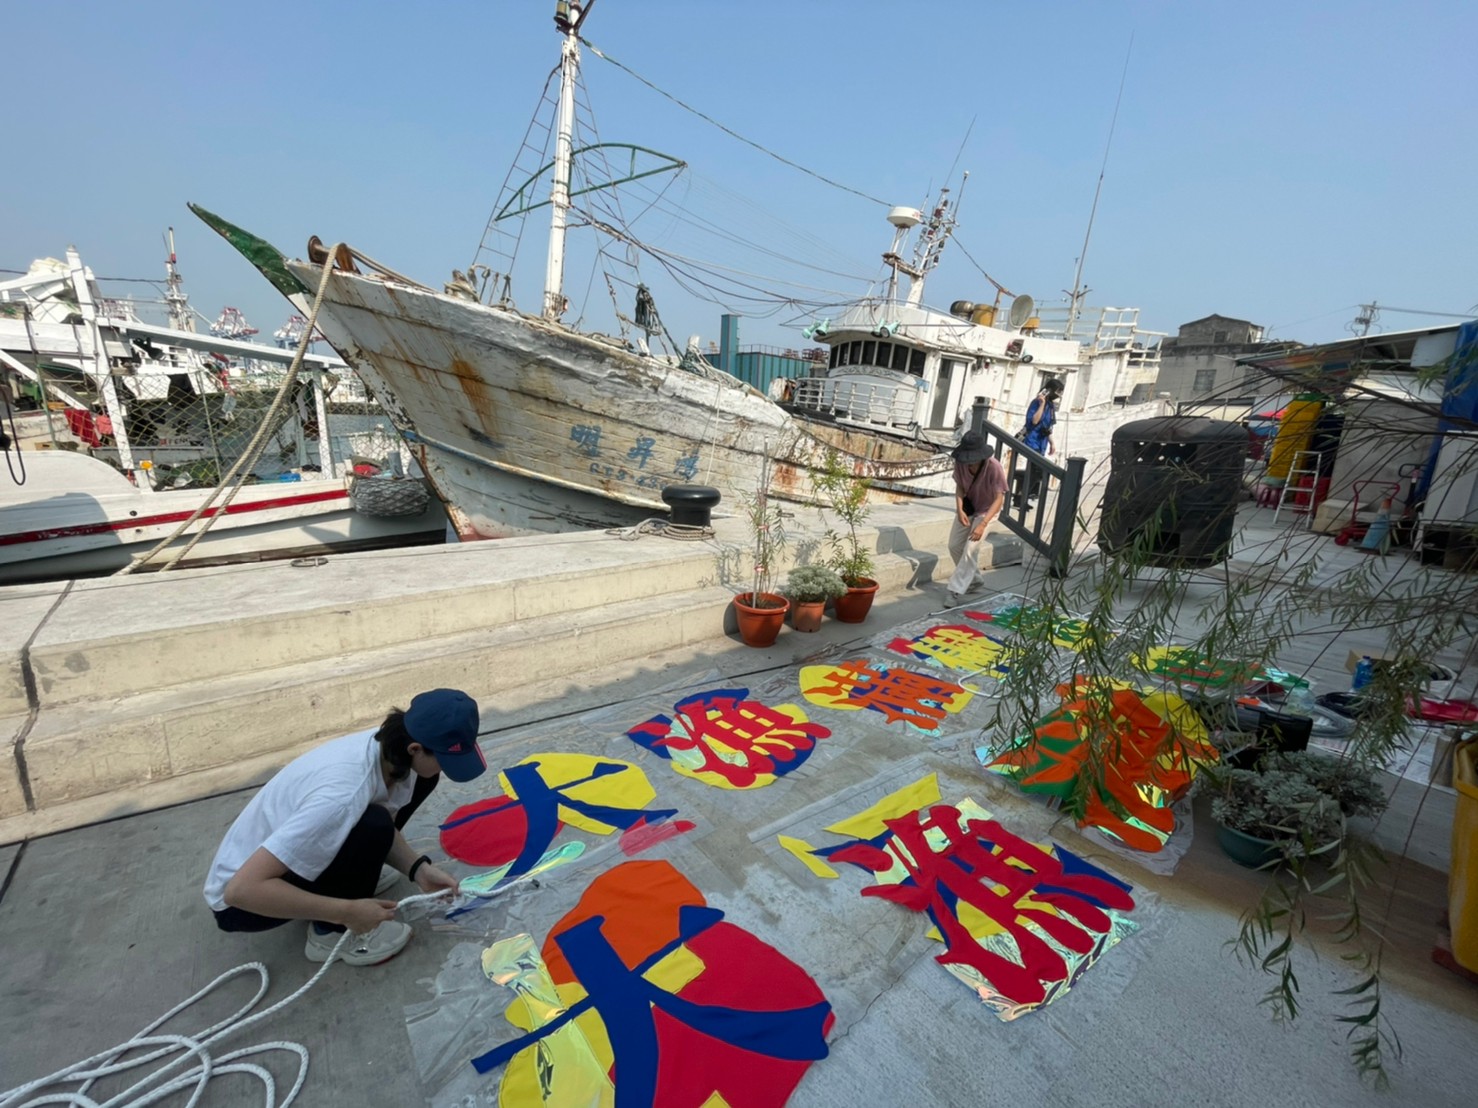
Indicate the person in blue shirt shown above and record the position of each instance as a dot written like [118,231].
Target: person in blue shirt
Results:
[1036,432]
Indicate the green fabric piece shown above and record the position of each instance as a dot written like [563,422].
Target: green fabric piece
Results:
[261,253]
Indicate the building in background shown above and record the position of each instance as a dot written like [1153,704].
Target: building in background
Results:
[1199,363]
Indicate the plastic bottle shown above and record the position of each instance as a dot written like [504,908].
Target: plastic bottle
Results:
[1364,671]
[1299,701]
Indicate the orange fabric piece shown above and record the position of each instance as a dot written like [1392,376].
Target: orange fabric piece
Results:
[640,902]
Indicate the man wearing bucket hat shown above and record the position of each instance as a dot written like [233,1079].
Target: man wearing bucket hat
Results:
[980,493]
[310,845]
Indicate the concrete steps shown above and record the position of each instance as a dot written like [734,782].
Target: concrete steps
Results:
[170,687]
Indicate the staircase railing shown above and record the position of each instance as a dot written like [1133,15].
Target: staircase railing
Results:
[1036,472]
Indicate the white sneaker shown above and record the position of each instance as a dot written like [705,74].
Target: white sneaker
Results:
[955,597]
[380,945]
[977,585]
[388,876]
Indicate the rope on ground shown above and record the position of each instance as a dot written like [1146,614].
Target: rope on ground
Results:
[147,1089]
[664,527]
[253,449]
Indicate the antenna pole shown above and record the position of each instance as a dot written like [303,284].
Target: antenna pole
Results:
[1076,296]
[179,314]
[567,18]
[1363,322]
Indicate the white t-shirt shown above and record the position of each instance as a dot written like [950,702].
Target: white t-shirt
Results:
[304,814]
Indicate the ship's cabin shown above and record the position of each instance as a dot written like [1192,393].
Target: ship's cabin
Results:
[884,381]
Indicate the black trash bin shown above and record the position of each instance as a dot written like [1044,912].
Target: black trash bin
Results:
[1173,488]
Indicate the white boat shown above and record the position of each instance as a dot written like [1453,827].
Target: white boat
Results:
[77,516]
[524,424]
[138,422]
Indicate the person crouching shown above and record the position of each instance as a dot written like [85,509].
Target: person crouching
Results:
[312,843]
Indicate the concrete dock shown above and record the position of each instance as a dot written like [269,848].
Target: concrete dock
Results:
[143,709]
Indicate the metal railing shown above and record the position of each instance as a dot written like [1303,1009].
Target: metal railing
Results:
[1037,474]
[884,402]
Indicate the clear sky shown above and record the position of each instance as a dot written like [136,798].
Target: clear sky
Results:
[1278,162]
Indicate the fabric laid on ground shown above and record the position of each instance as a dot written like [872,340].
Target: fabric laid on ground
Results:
[1021,921]
[754,852]
[1118,757]
[729,739]
[645,995]
[541,794]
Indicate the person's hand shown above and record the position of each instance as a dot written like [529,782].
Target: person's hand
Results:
[979,532]
[433,879]
[963,518]
[363,916]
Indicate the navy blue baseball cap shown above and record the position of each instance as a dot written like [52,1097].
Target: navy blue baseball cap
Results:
[444,721]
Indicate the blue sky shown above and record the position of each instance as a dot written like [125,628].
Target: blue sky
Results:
[1279,162]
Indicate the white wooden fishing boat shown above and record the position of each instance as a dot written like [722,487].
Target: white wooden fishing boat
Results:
[524,424]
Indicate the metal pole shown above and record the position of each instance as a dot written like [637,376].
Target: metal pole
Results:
[559,196]
[327,463]
[979,413]
[1065,518]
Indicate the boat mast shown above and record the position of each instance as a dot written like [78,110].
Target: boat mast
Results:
[567,18]
[936,232]
[179,314]
[1078,292]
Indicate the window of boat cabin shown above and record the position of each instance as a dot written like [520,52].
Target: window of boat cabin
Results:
[869,353]
[857,353]
[900,358]
[882,358]
[916,363]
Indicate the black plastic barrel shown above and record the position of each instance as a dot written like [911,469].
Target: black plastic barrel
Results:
[1173,487]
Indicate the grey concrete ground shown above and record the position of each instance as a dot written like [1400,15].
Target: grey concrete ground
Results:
[104,928]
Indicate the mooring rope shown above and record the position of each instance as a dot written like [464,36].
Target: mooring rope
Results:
[253,449]
[659,526]
[147,1090]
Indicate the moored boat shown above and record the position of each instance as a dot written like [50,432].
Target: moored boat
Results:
[524,424]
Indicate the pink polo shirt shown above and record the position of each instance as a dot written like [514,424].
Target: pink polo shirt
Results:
[980,489]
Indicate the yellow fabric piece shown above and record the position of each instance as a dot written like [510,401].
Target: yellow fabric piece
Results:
[813,683]
[1295,430]
[628,789]
[678,969]
[802,850]
[571,1066]
[715,1101]
[869,824]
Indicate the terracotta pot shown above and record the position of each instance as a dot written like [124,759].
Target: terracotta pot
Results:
[856,602]
[760,626]
[805,615]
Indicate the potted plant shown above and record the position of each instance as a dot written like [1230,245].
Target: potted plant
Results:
[845,494]
[1268,815]
[1350,784]
[809,588]
[760,612]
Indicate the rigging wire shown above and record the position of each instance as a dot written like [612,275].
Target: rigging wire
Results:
[728,130]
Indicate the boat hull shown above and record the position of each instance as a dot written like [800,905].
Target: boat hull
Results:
[61,525]
[523,425]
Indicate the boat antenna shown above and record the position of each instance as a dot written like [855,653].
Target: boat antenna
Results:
[568,18]
[179,311]
[1075,297]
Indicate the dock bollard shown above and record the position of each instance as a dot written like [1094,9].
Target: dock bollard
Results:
[690,505]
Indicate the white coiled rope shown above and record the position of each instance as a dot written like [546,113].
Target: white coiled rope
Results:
[171,1078]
